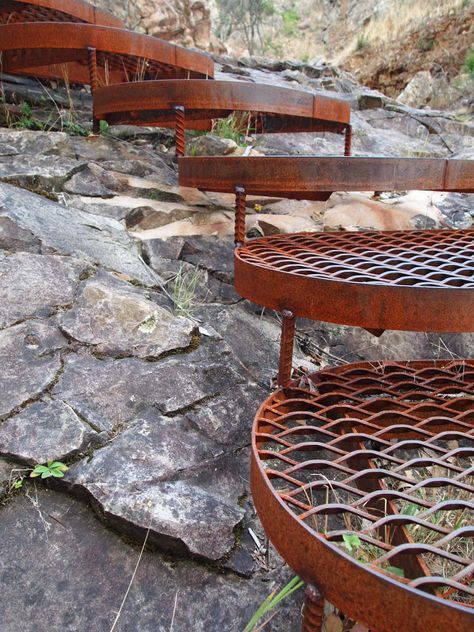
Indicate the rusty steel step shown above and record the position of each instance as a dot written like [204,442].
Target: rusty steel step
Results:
[193,104]
[52,49]
[363,479]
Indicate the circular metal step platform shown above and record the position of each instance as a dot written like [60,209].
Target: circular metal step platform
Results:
[363,479]
[273,109]
[412,280]
[46,48]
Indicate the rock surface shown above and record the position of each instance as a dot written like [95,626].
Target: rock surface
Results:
[44,431]
[36,286]
[117,320]
[87,565]
[30,361]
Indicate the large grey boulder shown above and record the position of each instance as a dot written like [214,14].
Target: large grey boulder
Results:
[141,479]
[418,91]
[67,572]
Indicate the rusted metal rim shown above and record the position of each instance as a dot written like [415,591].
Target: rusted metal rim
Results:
[56,11]
[377,444]
[410,280]
[304,177]
[273,109]
[121,54]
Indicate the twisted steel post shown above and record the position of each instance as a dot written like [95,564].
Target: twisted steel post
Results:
[348,141]
[286,348]
[313,610]
[240,204]
[180,138]
[94,83]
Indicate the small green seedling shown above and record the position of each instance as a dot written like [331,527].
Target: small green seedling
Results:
[352,542]
[361,552]
[52,468]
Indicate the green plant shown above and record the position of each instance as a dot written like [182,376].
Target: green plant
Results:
[234,127]
[273,600]
[290,19]
[104,128]
[425,43]
[365,552]
[184,290]
[25,119]
[362,41]
[469,63]
[51,468]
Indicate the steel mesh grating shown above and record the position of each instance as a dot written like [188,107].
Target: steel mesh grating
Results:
[410,258]
[384,452]
[32,13]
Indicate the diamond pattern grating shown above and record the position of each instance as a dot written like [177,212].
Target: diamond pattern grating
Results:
[411,258]
[413,280]
[383,452]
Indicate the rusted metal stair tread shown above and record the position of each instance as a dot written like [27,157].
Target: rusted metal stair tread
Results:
[315,177]
[273,109]
[382,451]
[42,49]
[12,11]
[413,280]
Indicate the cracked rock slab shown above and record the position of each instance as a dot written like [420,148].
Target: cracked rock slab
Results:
[118,320]
[43,431]
[88,569]
[17,239]
[228,418]
[110,393]
[134,481]
[29,362]
[36,170]
[34,285]
[70,231]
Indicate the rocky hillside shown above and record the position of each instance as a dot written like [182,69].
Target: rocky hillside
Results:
[127,354]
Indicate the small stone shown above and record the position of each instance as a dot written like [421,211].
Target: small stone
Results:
[91,181]
[47,430]
[211,145]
